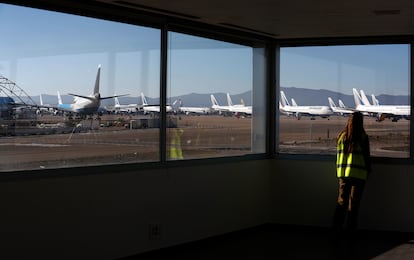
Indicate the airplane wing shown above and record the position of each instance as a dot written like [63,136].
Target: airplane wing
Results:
[93,98]
[115,96]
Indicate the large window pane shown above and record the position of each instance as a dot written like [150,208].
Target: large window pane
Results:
[309,76]
[203,74]
[43,53]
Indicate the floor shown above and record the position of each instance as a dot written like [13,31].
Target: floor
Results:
[291,242]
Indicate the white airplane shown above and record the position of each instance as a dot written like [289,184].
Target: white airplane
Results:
[44,108]
[238,109]
[193,110]
[152,108]
[341,109]
[85,105]
[298,111]
[395,112]
[120,108]
[216,107]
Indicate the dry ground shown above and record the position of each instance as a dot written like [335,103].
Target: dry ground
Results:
[203,136]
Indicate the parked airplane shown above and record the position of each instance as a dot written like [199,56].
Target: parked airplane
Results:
[238,109]
[84,105]
[216,107]
[192,110]
[341,109]
[120,108]
[395,112]
[44,108]
[375,101]
[152,108]
[298,111]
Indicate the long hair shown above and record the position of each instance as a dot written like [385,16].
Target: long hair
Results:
[353,132]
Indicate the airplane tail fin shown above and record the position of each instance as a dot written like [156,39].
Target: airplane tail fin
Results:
[143,99]
[116,101]
[364,98]
[341,104]
[213,100]
[41,100]
[375,101]
[229,101]
[59,98]
[283,99]
[331,103]
[294,102]
[357,97]
[98,75]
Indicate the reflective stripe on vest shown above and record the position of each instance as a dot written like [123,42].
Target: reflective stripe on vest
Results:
[352,164]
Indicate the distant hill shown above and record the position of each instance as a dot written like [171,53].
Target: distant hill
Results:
[301,95]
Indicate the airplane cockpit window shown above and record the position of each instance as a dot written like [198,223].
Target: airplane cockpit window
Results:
[321,85]
[72,91]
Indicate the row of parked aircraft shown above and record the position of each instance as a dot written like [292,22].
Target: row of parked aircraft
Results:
[87,105]
[362,104]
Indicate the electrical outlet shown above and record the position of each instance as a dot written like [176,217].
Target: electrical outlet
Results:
[154,231]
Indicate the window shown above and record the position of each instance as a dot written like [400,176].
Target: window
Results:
[215,102]
[79,91]
[375,76]
[43,53]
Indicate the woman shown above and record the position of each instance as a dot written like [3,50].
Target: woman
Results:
[353,165]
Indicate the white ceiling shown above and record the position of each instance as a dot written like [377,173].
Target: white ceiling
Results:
[292,18]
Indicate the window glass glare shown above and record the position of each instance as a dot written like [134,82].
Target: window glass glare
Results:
[68,63]
[320,86]
[210,88]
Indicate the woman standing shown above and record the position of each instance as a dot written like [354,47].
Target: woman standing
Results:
[353,165]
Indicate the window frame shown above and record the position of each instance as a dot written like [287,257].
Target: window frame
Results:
[165,24]
[343,42]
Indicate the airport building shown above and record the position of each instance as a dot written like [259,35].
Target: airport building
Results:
[169,181]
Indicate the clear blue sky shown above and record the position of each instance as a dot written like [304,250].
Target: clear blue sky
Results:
[377,69]
[46,51]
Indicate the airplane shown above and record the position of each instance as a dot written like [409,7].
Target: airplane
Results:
[119,108]
[193,110]
[84,105]
[375,101]
[395,112]
[43,108]
[341,109]
[216,107]
[238,109]
[298,111]
[152,108]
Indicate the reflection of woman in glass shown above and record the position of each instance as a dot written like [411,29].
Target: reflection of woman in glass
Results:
[353,166]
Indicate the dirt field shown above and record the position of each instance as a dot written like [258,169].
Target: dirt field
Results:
[113,141]
[387,138]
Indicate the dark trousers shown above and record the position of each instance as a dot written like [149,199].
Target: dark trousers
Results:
[349,198]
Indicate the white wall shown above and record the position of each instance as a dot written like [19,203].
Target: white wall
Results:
[304,193]
[108,216]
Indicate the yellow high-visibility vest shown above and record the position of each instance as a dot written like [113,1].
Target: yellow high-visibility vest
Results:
[352,164]
[175,145]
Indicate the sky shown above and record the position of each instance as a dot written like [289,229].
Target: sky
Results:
[44,52]
[48,51]
[377,69]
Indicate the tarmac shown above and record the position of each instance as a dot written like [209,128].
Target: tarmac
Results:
[112,140]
